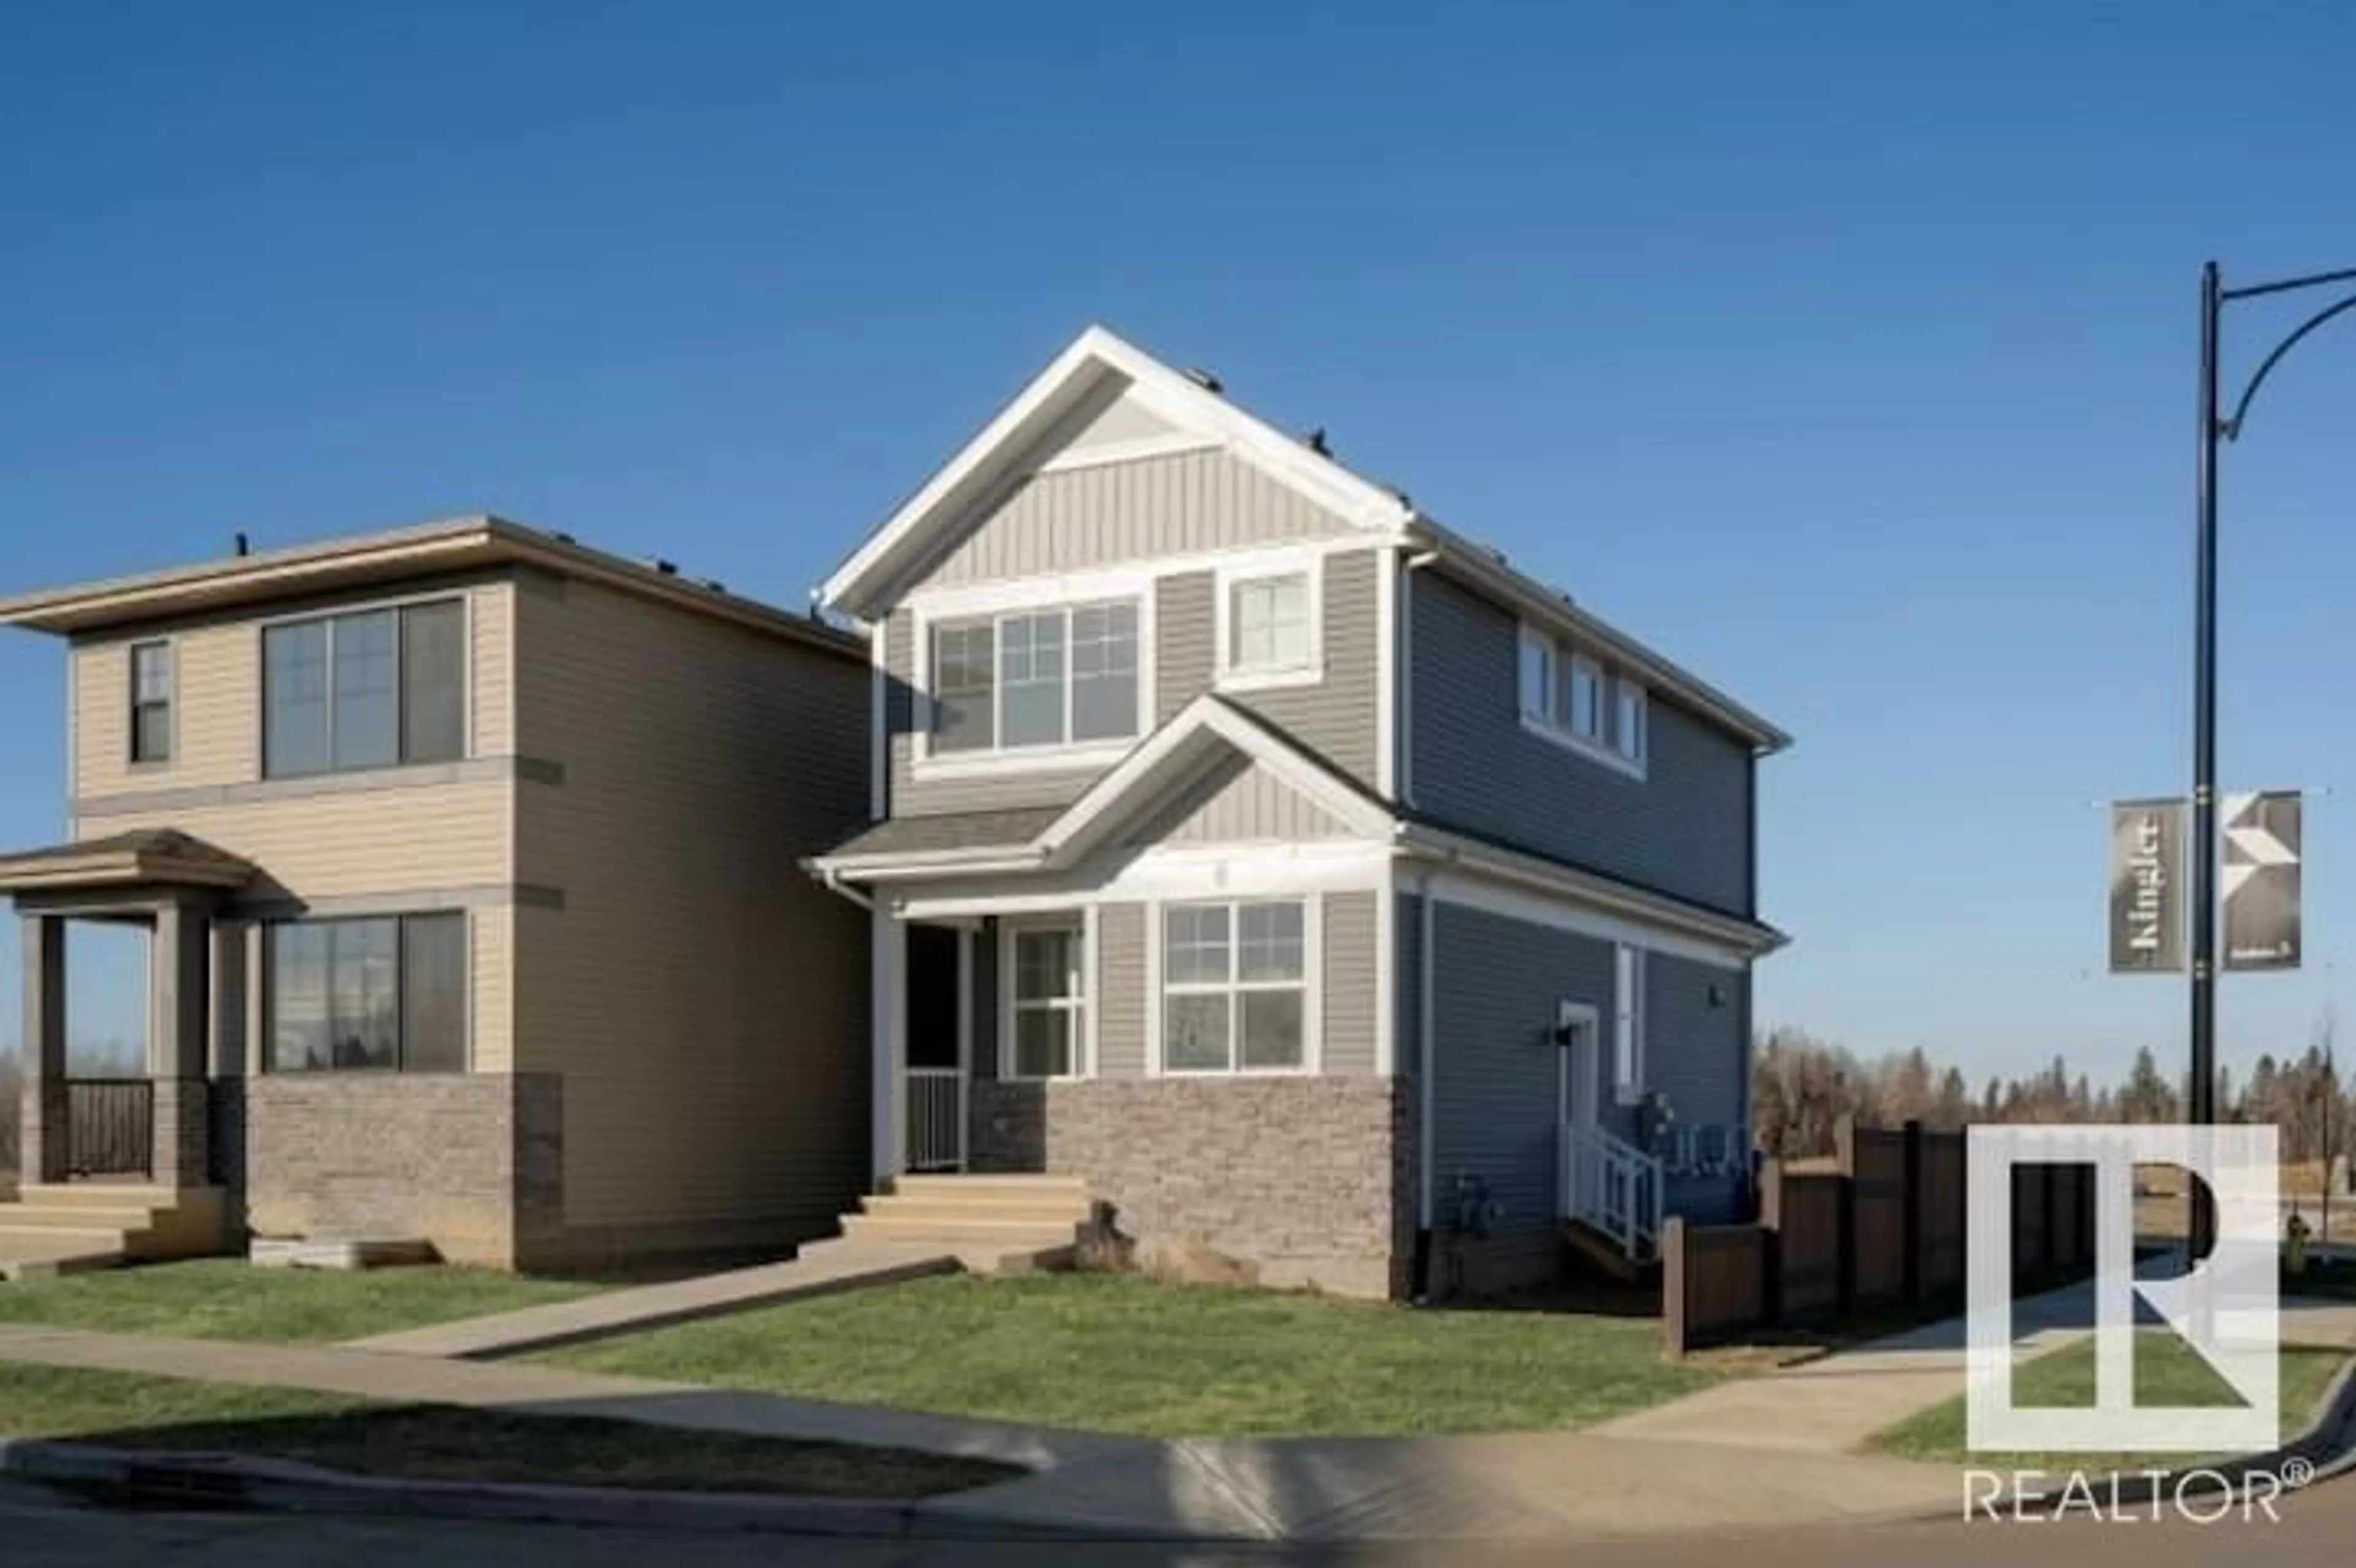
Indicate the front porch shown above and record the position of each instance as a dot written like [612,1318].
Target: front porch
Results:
[121,1165]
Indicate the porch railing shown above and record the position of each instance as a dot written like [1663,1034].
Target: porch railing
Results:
[111,1126]
[1612,1187]
[936,1118]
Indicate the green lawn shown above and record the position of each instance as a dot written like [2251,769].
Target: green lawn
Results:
[224,1298]
[443,1442]
[2168,1371]
[1121,1353]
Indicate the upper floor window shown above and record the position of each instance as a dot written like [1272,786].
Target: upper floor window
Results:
[370,689]
[1052,676]
[387,993]
[1235,986]
[151,702]
[1568,696]
[1269,624]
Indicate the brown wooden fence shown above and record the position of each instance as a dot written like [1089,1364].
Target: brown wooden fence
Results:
[1880,1224]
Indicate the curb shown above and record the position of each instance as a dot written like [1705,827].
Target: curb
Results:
[231,1480]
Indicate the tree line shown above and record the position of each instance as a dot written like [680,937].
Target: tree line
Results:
[1801,1086]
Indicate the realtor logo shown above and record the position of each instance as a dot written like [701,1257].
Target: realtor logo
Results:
[2226,1309]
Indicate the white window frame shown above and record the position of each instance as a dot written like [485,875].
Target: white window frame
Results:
[1081,1006]
[996,602]
[1310,985]
[1628,974]
[1560,659]
[1630,697]
[1234,676]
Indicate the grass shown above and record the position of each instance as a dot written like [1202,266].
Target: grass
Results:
[1121,1353]
[2168,1371]
[433,1442]
[223,1298]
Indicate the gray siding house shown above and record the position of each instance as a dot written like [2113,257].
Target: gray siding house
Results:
[1301,880]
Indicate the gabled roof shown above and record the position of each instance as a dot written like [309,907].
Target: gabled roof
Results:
[1164,763]
[162,856]
[866,584]
[863,583]
[354,560]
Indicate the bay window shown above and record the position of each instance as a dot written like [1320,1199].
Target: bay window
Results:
[1235,986]
[1054,676]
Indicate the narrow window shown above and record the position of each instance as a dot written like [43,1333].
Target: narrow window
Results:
[151,702]
[1537,676]
[433,682]
[1628,1032]
[1104,671]
[1629,719]
[964,711]
[1049,998]
[1031,679]
[1582,698]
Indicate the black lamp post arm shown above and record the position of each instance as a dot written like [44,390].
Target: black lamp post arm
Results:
[2231,428]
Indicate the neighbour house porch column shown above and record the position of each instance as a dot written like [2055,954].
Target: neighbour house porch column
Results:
[889,1045]
[179,961]
[42,1148]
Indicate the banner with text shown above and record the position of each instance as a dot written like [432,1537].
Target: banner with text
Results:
[2147,887]
[2260,879]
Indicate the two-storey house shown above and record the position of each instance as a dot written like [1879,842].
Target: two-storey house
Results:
[1302,881]
[470,857]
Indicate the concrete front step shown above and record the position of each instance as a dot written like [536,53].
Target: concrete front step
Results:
[96,1195]
[1010,1185]
[960,1231]
[74,1217]
[1047,1210]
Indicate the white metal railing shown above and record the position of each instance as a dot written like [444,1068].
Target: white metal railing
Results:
[1613,1188]
[936,1118]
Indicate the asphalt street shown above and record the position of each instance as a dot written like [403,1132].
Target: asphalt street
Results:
[42,1529]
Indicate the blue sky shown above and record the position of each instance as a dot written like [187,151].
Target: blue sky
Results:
[1845,352]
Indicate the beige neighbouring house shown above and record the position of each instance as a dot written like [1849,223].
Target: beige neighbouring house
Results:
[469,858]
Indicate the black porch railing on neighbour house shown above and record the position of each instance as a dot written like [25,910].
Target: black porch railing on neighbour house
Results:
[111,1127]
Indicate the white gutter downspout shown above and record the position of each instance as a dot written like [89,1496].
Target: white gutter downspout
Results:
[831,879]
[1425,1055]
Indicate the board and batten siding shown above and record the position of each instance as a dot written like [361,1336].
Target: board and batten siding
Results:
[1336,717]
[1684,829]
[1238,803]
[1118,513]
[703,1000]
[216,692]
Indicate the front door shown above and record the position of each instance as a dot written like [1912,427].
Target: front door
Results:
[936,1087]
[1576,1034]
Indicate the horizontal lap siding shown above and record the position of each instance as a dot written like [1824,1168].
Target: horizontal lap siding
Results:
[1336,717]
[702,998]
[216,696]
[1349,981]
[1119,513]
[1496,985]
[1695,1055]
[1120,996]
[1684,829]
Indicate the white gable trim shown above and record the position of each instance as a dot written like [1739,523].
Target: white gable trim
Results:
[1093,356]
[1205,726]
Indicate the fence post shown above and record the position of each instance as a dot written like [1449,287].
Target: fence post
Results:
[1845,1208]
[1674,1329]
[1910,1209]
[1770,1230]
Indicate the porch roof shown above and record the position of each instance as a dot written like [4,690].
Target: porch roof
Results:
[949,833]
[146,856]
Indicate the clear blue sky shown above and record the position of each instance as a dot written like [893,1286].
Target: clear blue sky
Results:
[1844,351]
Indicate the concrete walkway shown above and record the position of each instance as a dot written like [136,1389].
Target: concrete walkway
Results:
[820,1270]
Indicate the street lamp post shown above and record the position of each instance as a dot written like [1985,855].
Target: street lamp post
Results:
[2216,429]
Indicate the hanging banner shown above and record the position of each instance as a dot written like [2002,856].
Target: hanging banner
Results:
[2260,879]
[2147,886]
